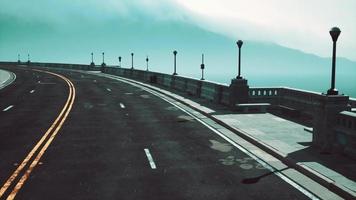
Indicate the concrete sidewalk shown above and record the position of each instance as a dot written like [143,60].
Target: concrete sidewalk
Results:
[6,78]
[293,142]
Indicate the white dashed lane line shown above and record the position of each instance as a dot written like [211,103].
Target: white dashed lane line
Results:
[150,159]
[122,105]
[108,89]
[8,108]
[32,91]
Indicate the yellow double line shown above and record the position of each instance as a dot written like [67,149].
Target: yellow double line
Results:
[46,139]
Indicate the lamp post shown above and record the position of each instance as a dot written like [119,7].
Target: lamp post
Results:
[18,58]
[103,64]
[92,59]
[28,59]
[239,45]
[334,33]
[147,63]
[132,54]
[202,66]
[175,62]
[119,61]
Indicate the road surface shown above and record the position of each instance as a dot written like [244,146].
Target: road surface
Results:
[110,140]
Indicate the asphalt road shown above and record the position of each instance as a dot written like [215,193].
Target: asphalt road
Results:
[118,142]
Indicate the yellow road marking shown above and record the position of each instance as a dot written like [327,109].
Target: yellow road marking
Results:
[66,109]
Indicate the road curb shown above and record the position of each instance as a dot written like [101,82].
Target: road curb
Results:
[10,80]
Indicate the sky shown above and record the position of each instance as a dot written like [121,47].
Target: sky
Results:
[288,37]
[297,24]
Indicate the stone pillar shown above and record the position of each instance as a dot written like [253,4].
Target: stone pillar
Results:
[324,119]
[238,91]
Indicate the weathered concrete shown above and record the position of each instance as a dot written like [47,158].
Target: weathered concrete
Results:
[326,108]
[238,91]
[345,133]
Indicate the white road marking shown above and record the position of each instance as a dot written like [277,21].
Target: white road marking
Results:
[8,108]
[94,81]
[32,91]
[108,89]
[122,105]
[150,159]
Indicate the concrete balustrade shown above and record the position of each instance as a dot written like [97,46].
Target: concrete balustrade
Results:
[264,95]
[347,120]
[225,95]
[167,80]
[299,99]
[193,87]
[160,78]
[290,97]
[212,91]
[179,83]
[352,103]
[345,133]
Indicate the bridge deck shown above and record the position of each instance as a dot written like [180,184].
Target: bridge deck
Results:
[131,140]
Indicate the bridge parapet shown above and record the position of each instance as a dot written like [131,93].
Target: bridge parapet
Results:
[66,66]
[352,102]
[345,133]
[213,91]
[302,100]
[270,95]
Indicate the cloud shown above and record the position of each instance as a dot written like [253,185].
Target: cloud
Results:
[298,24]
[55,11]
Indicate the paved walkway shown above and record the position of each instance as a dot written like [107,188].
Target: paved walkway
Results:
[294,142]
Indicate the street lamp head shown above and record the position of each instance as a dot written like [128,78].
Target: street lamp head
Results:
[335,32]
[175,52]
[239,43]
[147,59]
[132,54]
[119,58]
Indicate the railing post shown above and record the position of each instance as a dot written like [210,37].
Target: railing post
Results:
[238,89]
[326,109]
